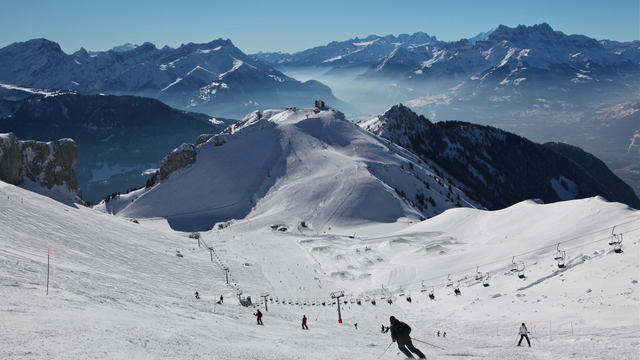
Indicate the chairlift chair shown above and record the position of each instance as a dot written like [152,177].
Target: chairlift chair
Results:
[560,256]
[521,270]
[373,300]
[352,300]
[358,301]
[389,300]
[409,297]
[382,294]
[514,265]
[478,274]
[449,281]
[616,241]
[431,295]
[424,287]
[485,281]
[401,292]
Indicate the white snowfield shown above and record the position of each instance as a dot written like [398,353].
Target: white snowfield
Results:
[124,289]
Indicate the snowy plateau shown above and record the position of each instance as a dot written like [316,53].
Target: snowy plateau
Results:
[325,217]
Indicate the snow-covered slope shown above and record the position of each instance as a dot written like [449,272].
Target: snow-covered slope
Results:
[117,289]
[300,165]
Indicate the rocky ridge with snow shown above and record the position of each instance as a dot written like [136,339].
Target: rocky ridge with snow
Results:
[295,159]
[498,168]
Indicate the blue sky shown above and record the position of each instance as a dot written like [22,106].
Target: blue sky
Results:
[295,25]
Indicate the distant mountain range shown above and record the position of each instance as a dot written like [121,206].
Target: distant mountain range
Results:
[530,80]
[215,78]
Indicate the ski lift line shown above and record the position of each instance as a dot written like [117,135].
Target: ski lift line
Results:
[519,255]
[404,286]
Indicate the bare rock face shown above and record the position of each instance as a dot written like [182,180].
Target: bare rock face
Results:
[11,169]
[179,158]
[50,164]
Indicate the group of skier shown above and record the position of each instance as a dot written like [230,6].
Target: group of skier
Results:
[399,332]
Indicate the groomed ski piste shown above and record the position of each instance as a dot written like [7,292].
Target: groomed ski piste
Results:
[123,287]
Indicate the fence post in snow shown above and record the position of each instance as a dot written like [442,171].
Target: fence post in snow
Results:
[48,253]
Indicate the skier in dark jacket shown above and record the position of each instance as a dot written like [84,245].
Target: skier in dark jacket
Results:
[258,316]
[400,334]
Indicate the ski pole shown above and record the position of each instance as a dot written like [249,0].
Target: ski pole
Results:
[424,342]
[385,350]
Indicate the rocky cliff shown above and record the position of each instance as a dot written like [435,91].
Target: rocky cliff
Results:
[50,164]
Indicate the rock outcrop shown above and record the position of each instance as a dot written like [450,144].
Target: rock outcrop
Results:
[50,164]
[181,157]
[11,169]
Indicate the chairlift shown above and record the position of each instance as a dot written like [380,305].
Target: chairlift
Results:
[382,295]
[431,295]
[616,241]
[277,300]
[346,301]
[373,300]
[514,265]
[485,280]
[424,287]
[560,256]
[521,270]
[409,297]
[290,302]
[401,292]
[352,300]
[304,302]
[478,273]
[359,302]
[389,300]
[324,303]
[449,281]
[456,291]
